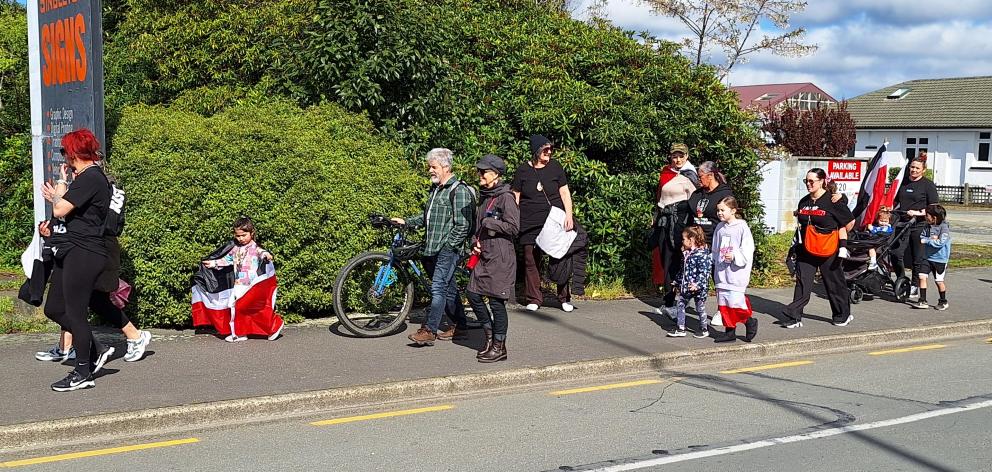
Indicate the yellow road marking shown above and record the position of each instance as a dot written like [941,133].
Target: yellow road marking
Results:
[766,367]
[388,414]
[596,388]
[97,452]
[925,347]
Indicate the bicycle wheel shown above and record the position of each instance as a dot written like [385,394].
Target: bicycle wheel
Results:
[371,297]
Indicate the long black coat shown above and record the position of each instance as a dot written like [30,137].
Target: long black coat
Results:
[496,272]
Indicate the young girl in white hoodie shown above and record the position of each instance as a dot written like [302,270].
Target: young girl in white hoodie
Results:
[733,256]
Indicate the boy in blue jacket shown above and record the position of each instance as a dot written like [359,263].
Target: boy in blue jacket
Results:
[936,240]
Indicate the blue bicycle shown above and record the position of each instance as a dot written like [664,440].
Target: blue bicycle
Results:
[374,292]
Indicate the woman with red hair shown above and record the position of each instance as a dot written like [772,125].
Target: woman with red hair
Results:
[80,254]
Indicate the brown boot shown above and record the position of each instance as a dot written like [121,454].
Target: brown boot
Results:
[496,354]
[423,337]
[452,333]
[488,345]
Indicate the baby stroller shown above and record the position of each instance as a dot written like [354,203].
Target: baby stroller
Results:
[864,281]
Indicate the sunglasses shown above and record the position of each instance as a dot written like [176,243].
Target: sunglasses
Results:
[811,181]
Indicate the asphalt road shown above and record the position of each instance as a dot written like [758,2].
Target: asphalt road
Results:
[970,226]
[923,409]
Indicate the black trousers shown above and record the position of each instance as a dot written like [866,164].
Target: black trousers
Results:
[909,247]
[68,301]
[493,316]
[833,280]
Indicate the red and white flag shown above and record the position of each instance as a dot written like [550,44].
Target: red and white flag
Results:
[734,307]
[240,310]
[872,195]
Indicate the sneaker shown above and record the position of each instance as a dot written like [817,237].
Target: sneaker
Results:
[702,334]
[664,310]
[842,253]
[846,322]
[102,359]
[136,348]
[567,307]
[232,338]
[278,332]
[941,305]
[56,355]
[873,266]
[920,305]
[73,381]
[792,324]
[531,307]
[678,333]
[423,337]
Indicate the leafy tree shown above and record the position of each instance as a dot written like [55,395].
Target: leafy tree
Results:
[15,105]
[822,131]
[731,27]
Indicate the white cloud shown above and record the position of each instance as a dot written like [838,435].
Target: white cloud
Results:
[864,45]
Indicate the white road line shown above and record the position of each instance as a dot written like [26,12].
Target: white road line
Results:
[791,439]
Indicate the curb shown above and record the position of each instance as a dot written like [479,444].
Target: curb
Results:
[185,417]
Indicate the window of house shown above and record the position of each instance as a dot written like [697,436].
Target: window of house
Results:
[916,145]
[984,141]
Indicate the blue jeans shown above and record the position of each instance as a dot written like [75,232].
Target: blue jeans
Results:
[444,291]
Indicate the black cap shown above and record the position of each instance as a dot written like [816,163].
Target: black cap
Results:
[493,162]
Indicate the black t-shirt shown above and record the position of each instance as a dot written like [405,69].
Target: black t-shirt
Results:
[702,208]
[823,213]
[89,193]
[916,195]
[537,188]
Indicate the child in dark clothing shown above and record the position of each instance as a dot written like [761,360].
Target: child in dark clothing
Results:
[693,282]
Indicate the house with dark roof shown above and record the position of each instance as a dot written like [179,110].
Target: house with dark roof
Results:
[950,118]
[803,96]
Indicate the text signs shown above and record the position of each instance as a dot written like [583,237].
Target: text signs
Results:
[66,60]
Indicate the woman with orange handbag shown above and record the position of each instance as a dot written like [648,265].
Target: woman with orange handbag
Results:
[820,220]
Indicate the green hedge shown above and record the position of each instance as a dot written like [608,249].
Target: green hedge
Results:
[16,197]
[308,177]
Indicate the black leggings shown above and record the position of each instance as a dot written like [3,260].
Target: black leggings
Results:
[499,321]
[68,300]
[101,305]
[909,244]
[833,280]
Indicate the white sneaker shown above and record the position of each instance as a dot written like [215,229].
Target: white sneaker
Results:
[873,265]
[793,325]
[102,359]
[846,322]
[531,307]
[278,332]
[842,253]
[231,338]
[56,355]
[136,348]
[567,307]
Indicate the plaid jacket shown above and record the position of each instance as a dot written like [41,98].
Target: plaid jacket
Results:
[443,230]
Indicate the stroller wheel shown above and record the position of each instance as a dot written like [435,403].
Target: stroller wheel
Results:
[900,288]
[857,294]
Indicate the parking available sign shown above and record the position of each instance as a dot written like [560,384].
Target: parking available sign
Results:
[848,175]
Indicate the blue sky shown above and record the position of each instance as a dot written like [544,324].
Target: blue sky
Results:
[864,45]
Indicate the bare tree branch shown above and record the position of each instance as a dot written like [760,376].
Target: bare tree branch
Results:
[732,26]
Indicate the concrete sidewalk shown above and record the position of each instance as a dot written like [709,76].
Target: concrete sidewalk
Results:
[182,368]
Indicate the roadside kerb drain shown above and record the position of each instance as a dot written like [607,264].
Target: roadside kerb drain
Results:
[47,433]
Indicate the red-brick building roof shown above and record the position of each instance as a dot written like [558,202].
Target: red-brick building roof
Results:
[801,95]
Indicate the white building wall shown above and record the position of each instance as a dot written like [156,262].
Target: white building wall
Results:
[953,153]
